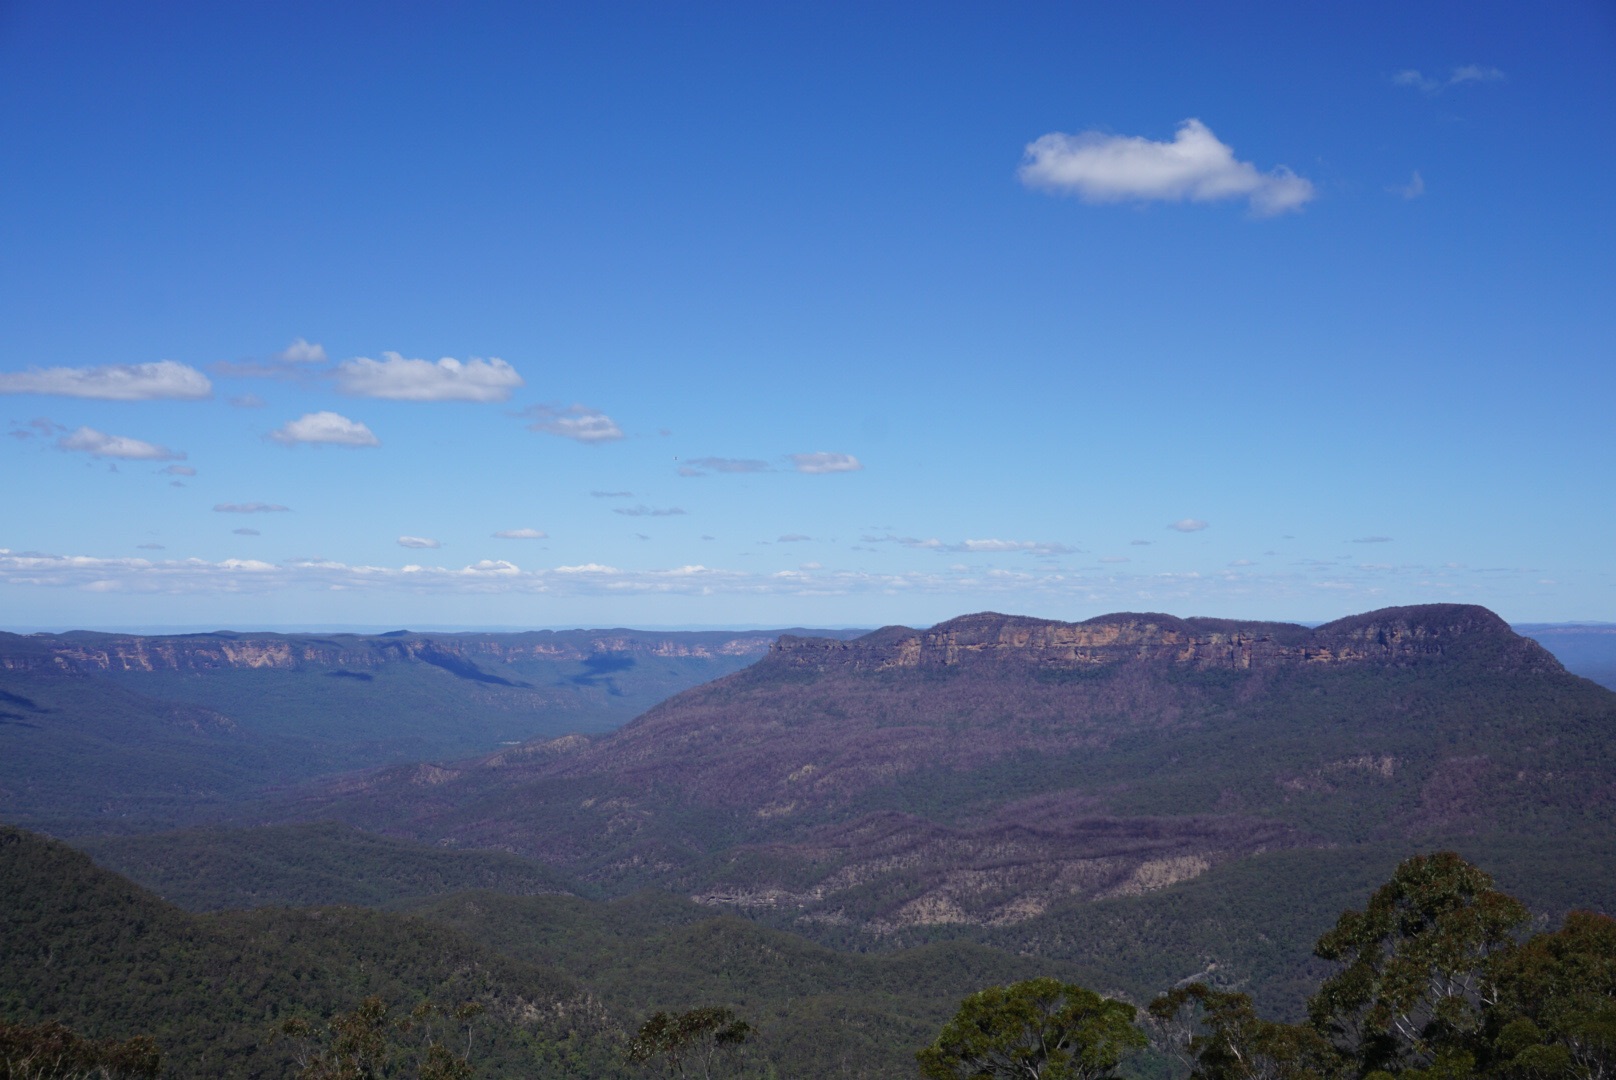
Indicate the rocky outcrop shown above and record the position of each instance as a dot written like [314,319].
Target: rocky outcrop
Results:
[1392,636]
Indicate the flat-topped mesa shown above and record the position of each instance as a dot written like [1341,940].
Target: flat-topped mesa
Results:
[1396,636]
[88,652]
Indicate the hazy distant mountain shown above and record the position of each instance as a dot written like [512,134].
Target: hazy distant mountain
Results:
[109,731]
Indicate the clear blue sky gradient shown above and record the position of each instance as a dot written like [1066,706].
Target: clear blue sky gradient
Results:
[755,231]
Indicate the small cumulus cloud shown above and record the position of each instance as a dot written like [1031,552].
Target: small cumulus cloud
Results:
[418,542]
[647,511]
[794,538]
[522,534]
[1188,525]
[99,444]
[1115,559]
[248,401]
[1372,540]
[324,427]
[1243,562]
[246,532]
[180,470]
[822,462]
[164,379]
[250,508]
[1140,543]
[811,566]
[1195,166]
[1435,84]
[577,422]
[302,351]
[398,378]
[1411,190]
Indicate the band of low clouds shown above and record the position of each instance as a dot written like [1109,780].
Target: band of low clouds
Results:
[160,380]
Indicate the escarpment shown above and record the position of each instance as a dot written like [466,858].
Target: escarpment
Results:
[1392,636]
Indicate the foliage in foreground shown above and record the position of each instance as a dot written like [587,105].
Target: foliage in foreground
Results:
[1431,983]
[52,1051]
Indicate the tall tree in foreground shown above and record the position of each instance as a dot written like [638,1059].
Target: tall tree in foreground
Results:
[695,1043]
[1557,1003]
[1415,976]
[1041,1029]
[368,1043]
[1218,1035]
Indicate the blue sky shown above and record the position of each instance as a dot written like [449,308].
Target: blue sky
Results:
[826,315]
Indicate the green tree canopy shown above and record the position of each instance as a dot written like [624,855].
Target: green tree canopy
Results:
[1414,976]
[1041,1029]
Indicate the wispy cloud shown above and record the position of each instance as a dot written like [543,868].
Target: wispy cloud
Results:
[577,422]
[246,532]
[1372,540]
[164,379]
[1189,525]
[611,494]
[324,427]
[793,538]
[418,542]
[822,462]
[973,547]
[179,470]
[704,465]
[99,444]
[150,547]
[250,508]
[399,378]
[522,534]
[248,401]
[647,511]
[1411,190]
[1435,84]
[1195,167]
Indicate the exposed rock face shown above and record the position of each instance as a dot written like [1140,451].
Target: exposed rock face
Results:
[1397,636]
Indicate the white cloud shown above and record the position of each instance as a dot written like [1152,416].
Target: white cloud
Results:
[822,462]
[1038,587]
[972,547]
[522,534]
[302,352]
[248,401]
[1189,525]
[401,379]
[1465,73]
[578,422]
[99,444]
[250,508]
[1194,166]
[115,382]
[1411,190]
[180,470]
[418,542]
[324,427]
